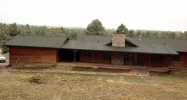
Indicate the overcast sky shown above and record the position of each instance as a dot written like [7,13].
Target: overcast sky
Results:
[166,15]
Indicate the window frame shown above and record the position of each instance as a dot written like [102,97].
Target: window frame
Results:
[156,57]
[175,57]
[126,56]
[107,55]
[88,53]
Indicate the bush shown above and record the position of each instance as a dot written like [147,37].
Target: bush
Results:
[5,50]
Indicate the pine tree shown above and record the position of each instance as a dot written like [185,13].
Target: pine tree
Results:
[122,28]
[95,28]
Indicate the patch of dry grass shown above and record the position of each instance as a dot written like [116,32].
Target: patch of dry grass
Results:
[77,86]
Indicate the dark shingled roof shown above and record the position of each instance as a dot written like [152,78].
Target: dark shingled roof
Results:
[100,39]
[81,45]
[178,45]
[37,41]
[95,38]
[95,42]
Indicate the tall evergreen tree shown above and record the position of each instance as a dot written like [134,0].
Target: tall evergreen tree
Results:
[155,35]
[122,28]
[138,33]
[8,32]
[173,35]
[13,29]
[27,29]
[95,28]
[149,34]
[130,33]
[164,34]
[181,36]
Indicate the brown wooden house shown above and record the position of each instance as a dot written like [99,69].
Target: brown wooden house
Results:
[117,49]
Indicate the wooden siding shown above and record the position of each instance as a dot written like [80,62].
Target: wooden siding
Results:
[145,60]
[98,57]
[127,62]
[182,63]
[138,60]
[29,55]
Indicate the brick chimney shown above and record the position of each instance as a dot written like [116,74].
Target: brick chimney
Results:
[118,39]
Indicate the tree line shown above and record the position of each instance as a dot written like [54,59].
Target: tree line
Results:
[96,28]
[7,31]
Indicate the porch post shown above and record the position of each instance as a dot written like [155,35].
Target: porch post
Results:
[171,62]
[149,60]
[93,57]
[130,59]
[75,51]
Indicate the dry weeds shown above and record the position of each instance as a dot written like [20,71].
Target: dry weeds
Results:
[15,85]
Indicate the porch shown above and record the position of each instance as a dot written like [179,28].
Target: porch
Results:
[122,68]
[115,58]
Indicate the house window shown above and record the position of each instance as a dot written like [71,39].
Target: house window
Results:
[107,55]
[89,53]
[156,57]
[127,56]
[175,58]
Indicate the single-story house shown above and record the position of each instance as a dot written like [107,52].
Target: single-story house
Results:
[118,50]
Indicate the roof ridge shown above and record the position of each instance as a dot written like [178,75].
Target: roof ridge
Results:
[85,41]
[39,35]
[158,38]
[95,35]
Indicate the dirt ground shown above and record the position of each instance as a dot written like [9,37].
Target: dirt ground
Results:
[64,84]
